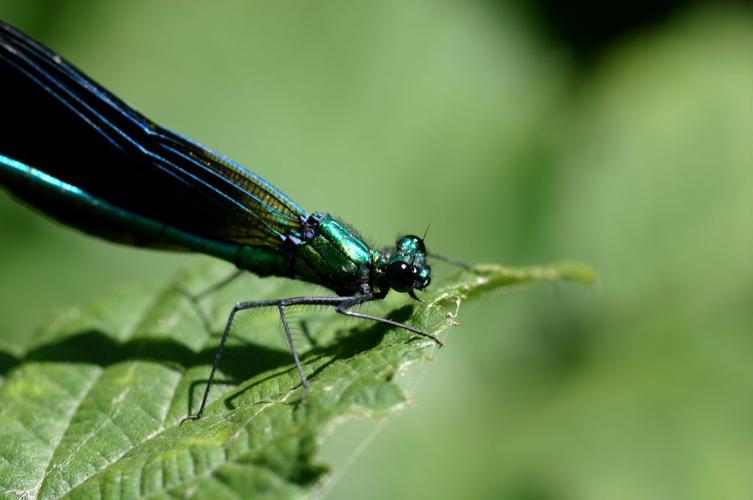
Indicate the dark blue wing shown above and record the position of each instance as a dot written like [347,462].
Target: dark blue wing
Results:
[57,120]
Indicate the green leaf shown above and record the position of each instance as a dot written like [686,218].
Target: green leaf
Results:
[93,408]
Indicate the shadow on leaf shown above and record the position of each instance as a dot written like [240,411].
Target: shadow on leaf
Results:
[94,347]
[7,361]
[239,362]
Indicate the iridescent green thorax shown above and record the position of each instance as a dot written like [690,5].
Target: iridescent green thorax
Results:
[332,256]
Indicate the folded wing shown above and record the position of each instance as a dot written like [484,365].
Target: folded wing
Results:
[58,120]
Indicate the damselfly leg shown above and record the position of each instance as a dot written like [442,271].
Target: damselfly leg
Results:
[218,285]
[196,298]
[214,287]
[342,305]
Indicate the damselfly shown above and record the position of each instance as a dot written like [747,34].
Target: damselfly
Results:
[79,154]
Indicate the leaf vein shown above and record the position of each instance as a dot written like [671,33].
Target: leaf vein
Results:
[69,418]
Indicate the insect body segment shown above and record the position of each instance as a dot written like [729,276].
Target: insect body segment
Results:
[74,151]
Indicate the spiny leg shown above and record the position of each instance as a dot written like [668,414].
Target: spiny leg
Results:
[195,298]
[281,304]
[198,297]
[299,367]
[343,305]
[218,285]
[221,350]
[345,308]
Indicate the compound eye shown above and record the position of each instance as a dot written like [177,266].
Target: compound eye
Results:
[426,282]
[401,276]
[411,242]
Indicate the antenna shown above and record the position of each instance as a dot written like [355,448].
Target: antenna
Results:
[426,232]
[451,261]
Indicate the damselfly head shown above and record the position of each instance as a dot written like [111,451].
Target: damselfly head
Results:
[407,268]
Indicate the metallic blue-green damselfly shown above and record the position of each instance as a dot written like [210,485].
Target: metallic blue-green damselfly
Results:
[80,155]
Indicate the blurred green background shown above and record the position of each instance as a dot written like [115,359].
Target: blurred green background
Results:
[523,132]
